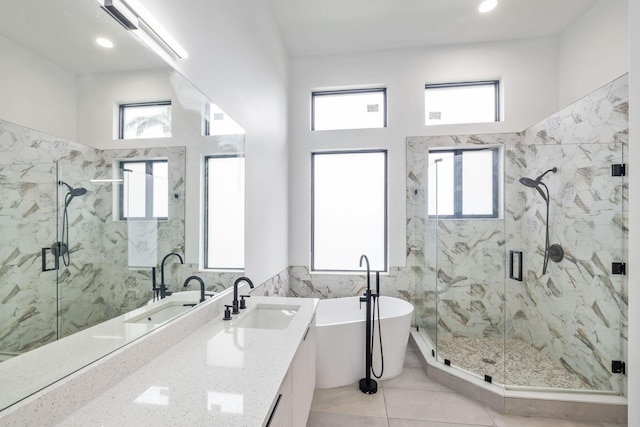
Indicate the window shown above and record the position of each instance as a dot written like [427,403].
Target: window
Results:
[349,210]
[145,120]
[349,109]
[145,189]
[224,212]
[463,183]
[472,102]
[217,122]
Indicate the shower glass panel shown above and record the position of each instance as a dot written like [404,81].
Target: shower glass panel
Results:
[28,224]
[564,326]
[470,260]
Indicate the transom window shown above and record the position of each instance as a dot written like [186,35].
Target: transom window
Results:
[217,122]
[145,120]
[145,189]
[349,109]
[349,210]
[469,102]
[463,183]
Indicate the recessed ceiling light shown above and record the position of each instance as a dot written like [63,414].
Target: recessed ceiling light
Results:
[104,42]
[487,5]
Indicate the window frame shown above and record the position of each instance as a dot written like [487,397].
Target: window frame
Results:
[123,107]
[148,189]
[313,269]
[496,86]
[206,213]
[314,94]
[457,183]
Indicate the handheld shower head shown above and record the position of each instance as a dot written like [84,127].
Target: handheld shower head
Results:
[539,185]
[73,192]
[528,182]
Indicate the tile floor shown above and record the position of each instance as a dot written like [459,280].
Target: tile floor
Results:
[413,400]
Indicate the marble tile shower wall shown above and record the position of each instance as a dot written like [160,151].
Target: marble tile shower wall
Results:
[459,265]
[28,223]
[98,284]
[577,312]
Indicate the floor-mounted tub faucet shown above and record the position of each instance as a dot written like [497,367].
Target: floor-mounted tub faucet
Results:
[190,278]
[368,385]
[163,286]
[236,309]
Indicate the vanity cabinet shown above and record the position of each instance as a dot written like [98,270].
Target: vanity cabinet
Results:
[304,376]
[293,402]
[281,412]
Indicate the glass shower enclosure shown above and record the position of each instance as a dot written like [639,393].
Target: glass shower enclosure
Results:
[487,304]
[532,298]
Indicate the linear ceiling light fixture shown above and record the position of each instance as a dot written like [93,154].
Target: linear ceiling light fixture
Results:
[144,26]
[487,6]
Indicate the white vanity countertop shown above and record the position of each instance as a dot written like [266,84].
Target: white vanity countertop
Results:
[220,375]
[21,376]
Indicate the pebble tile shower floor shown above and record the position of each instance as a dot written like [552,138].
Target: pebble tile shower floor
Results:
[526,366]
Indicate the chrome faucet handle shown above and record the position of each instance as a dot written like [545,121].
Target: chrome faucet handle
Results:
[243,303]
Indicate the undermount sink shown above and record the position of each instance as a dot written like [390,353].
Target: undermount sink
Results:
[162,313]
[268,316]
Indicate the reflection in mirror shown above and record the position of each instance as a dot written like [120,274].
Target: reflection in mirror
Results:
[59,133]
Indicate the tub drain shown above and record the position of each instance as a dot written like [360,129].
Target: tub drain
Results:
[489,361]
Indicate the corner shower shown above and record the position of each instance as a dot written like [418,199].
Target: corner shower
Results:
[557,325]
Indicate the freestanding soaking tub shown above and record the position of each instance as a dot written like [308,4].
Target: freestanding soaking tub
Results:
[340,339]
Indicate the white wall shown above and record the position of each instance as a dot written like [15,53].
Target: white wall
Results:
[527,68]
[598,37]
[237,59]
[634,220]
[36,93]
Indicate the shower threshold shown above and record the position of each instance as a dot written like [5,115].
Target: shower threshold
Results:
[580,405]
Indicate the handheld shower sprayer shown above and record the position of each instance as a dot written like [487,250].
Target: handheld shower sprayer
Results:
[61,248]
[556,250]
[73,192]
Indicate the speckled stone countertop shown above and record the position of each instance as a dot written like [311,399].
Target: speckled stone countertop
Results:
[35,370]
[222,374]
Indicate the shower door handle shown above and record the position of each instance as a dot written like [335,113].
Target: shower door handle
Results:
[44,261]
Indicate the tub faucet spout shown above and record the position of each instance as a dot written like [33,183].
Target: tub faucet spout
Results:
[366,259]
[236,308]
[367,385]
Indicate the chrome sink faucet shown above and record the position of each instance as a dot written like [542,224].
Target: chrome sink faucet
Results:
[163,286]
[236,309]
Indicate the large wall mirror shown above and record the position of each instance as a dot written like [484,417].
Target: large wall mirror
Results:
[85,214]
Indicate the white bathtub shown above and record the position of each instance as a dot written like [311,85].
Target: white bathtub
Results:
[340,340]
